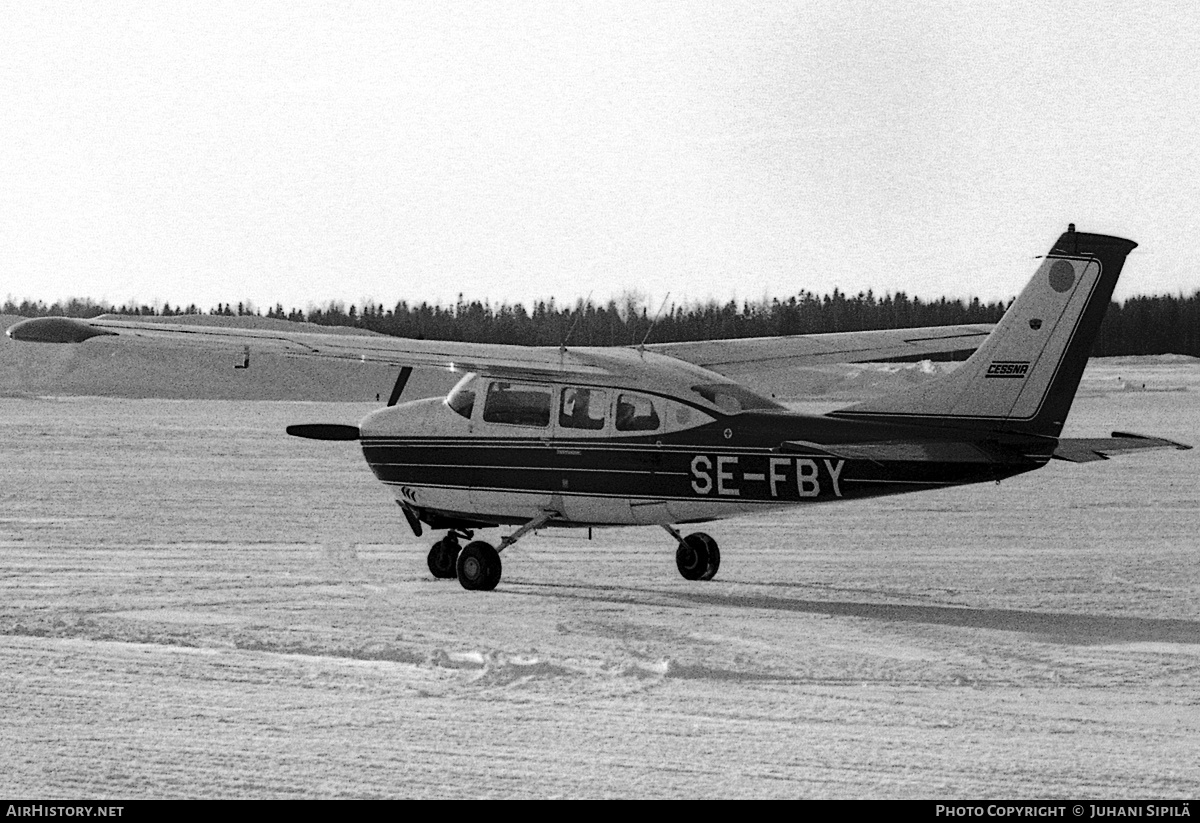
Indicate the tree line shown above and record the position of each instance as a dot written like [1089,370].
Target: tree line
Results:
[1161,324]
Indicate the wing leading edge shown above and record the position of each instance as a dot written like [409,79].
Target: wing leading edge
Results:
[363,348]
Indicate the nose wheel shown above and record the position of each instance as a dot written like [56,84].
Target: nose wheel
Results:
[443,557]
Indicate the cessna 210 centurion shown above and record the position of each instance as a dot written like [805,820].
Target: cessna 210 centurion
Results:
[663,435]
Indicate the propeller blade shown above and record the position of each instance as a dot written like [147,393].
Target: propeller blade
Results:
[324,431]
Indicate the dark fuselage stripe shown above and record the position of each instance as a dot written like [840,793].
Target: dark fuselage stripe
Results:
[761,478]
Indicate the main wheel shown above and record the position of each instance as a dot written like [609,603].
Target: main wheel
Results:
[443,558]
[698,557]
[479,567]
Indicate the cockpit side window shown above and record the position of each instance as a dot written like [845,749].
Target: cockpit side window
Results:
[636,413]
[518,404]
[462,397]
[583,408]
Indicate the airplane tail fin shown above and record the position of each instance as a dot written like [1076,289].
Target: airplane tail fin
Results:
[1024,376]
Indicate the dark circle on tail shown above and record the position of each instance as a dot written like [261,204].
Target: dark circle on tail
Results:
[1062,276]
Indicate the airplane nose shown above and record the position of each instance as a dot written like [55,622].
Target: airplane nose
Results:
[412,418]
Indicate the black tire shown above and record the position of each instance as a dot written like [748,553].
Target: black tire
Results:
[692,558]
[479,567]
[443,559]
[698,557]
[714,556]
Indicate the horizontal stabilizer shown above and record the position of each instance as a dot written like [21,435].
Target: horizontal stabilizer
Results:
[1086,449]
[896,451]
[324,431]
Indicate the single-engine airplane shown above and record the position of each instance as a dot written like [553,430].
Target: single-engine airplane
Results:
[663,435]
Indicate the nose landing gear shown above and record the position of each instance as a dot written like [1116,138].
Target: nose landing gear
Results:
[443,557]
[477,566]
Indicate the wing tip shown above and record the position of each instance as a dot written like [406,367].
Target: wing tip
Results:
[54,330]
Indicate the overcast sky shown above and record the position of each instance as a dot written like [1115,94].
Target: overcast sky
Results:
[300,152]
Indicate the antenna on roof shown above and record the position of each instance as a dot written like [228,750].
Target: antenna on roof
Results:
[642,346]
[562,347]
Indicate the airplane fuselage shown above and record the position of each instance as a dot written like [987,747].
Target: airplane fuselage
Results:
[442,464]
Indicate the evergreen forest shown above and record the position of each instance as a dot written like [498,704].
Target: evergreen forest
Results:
[1161,324]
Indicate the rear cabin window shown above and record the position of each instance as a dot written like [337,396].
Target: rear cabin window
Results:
[636,413]
[518,404]
[583,408]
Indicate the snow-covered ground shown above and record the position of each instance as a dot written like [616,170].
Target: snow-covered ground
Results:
[194,605]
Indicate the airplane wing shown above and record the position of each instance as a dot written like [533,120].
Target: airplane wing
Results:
[364,348]
[1087,449]
[729,357]
[753,355]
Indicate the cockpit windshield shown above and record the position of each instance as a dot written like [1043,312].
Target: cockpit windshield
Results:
[462,397]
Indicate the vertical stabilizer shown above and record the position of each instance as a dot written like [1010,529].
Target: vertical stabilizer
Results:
[1024,376]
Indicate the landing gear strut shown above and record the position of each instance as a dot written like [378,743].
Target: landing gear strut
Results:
[698,556]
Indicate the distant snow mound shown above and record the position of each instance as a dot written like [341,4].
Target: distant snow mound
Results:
[1147,360]
[849,381]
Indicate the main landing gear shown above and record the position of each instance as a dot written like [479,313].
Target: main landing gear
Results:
[476,565]
[698,556]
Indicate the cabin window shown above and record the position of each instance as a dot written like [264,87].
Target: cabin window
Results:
[462,397]
[636,414]
[583,408]
[518,404]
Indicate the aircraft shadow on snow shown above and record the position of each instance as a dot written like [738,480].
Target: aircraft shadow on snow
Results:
[1055,627]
